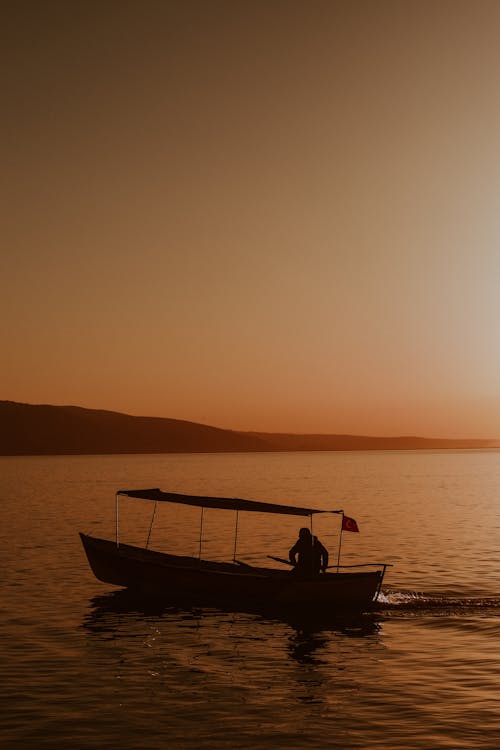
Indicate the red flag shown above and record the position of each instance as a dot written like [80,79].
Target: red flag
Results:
[349,524]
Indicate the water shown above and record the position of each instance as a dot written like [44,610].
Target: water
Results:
[83,666]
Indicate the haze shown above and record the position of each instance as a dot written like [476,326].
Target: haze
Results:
[275,216]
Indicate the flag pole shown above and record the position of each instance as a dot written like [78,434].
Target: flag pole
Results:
[312,543]
[235,537]
[201,532]
[340,539]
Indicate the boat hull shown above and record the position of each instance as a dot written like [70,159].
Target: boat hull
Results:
[199,581]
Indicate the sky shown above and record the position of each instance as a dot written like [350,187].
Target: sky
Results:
[262,215]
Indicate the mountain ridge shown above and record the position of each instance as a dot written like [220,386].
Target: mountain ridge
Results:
[44,429]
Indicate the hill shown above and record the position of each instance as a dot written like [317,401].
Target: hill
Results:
[27,429]
[287,442]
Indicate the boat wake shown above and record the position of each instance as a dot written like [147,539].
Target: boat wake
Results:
[410,601]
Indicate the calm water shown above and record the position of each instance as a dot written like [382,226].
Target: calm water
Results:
[84,667]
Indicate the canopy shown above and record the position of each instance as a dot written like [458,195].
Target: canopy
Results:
[224,503]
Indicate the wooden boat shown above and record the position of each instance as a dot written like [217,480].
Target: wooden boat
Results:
[234,584]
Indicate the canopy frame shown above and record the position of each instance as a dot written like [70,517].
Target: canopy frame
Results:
[222,503]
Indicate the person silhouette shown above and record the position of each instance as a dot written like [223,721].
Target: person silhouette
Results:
[308,556]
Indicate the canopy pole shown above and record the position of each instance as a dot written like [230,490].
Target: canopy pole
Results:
[340,539]
[235,537]
[312,543]
[201,532]
[151,524]
[116,521]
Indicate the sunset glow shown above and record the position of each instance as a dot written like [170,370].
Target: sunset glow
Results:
[261,216]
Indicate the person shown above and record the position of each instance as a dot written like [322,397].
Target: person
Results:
[308,555]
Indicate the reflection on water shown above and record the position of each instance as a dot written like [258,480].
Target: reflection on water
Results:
[104,613]
[252,658]
[105,618]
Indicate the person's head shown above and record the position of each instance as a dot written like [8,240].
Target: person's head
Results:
[304,533]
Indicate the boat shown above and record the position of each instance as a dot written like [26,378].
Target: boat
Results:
[236,584]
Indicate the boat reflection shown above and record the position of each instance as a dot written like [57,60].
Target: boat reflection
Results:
[308,640]
[313,660]
[310,631]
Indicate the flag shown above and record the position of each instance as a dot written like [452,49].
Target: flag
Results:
[349,524]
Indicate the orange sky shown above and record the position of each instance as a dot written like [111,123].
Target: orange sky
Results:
[268,215]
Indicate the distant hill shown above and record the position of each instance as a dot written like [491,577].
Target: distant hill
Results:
[287,442]
[27,429]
